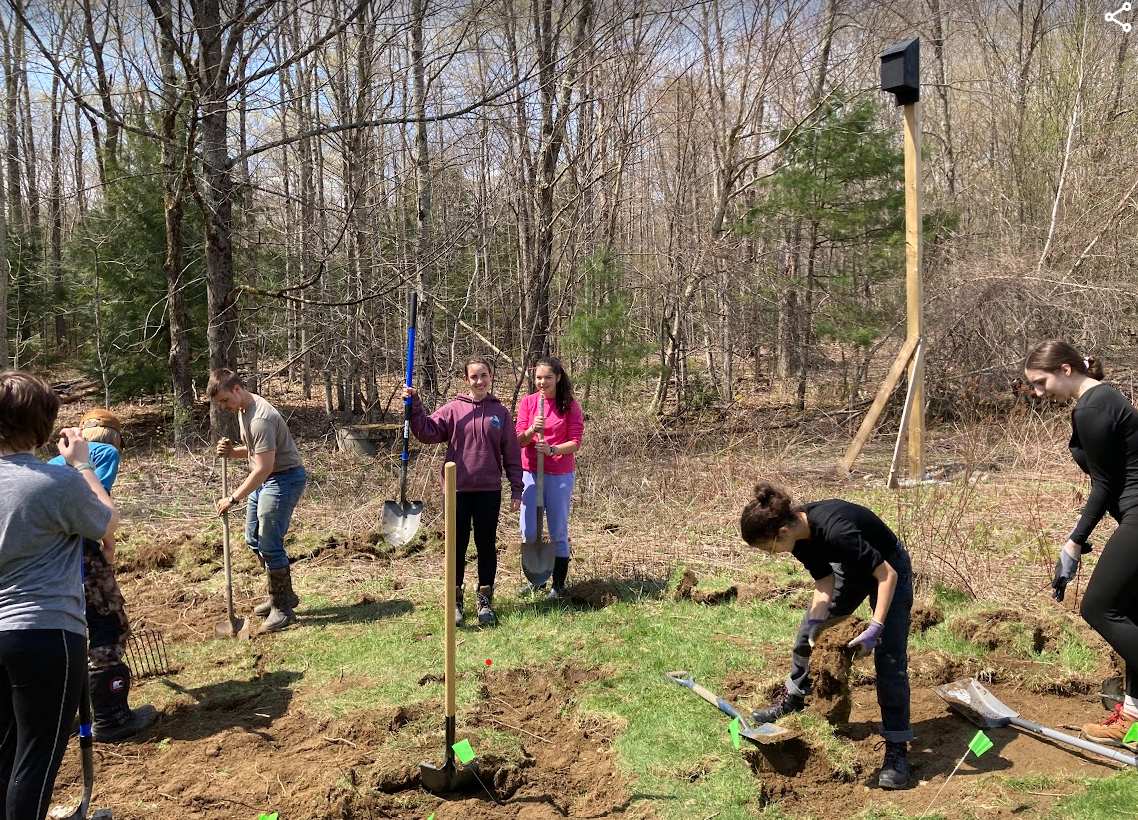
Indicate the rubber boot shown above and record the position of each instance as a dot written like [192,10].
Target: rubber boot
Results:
[281,597]
[262,609]
[784,704]
[486,615]
[560,573]
[459,614]
[114,719]
[895,768]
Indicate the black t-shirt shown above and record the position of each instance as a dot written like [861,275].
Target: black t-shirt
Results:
[1104,443]
[844,533]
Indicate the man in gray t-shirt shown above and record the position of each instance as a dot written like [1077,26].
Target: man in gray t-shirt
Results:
[273,487]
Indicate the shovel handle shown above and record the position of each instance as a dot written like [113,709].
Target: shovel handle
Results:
[407,401]
[1086,745]
[685,679]
[450,529]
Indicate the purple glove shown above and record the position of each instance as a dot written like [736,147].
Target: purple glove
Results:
[864,643]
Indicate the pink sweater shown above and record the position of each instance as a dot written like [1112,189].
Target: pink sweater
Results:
[558,430]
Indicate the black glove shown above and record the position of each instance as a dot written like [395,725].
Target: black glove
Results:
[1065,569]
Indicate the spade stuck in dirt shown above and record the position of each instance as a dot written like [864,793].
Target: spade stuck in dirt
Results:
[232,627]
[539,555]
[762,735]
[448,777]
[401,518]
[981,707]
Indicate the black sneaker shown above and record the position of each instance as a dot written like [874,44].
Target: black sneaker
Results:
[784,704]
[895,769]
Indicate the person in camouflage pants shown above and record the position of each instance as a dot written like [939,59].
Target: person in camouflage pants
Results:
[107,625]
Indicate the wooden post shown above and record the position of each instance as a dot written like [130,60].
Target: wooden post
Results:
[906,414]
[914,288]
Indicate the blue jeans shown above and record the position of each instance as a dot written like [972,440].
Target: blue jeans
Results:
[853,585]
[558,496]
[270,513]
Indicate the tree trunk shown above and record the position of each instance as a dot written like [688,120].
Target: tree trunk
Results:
[428,359]
[217,203]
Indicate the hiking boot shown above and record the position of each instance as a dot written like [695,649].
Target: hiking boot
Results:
[895,768]
[486,615]
[459,614]
[114,719]
[786,703]
[281,597]
[1112,730]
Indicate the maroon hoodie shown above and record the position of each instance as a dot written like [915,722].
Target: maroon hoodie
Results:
[480,440]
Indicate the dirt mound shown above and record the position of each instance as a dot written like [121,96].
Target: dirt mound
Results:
[924,616]
[236,749]
[1008,629]
[757,590]
[594,594]
[688,582]
[830,671]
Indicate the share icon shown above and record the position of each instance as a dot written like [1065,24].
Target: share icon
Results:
[1112,17]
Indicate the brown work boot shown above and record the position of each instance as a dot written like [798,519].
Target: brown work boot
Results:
[1110,731]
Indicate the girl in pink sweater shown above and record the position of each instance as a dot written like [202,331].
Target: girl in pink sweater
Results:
[557,435]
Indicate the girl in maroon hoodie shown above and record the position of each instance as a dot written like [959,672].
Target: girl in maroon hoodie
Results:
[479,432]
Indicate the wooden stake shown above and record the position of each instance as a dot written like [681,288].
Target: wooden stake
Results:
[879,401]
[902,431]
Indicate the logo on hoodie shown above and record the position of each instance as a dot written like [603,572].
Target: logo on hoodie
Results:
[495,421]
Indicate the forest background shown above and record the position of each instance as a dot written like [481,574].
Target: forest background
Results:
[698,197]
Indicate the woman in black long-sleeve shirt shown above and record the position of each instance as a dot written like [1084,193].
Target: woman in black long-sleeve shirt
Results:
[1104,443]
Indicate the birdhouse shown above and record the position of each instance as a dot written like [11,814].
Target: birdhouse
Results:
[901,71]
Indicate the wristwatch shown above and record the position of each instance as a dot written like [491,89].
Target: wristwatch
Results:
[232,500]
[86,465]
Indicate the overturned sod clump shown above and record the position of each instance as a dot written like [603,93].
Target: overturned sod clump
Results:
[924,616]
[830,672]
[1008,629]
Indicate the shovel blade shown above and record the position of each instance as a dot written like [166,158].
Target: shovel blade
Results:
[237,628]
[768,733]
[976,703]
[401,523]
[444,779]
[537,561]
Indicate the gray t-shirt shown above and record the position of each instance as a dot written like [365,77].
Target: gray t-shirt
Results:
[45,510]
[263,429]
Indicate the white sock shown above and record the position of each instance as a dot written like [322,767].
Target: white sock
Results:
[1130,706]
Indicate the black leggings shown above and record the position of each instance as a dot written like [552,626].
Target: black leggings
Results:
[41,677]
[1110,605]
[478,511]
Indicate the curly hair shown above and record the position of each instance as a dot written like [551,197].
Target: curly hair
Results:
[769,509]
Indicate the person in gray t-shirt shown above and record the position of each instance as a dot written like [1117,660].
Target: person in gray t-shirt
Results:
[45,511]
[273,487]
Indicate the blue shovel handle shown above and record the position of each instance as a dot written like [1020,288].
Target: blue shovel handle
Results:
[407,402]
[685,679]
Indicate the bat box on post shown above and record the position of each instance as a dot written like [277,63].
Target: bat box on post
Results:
[901,71]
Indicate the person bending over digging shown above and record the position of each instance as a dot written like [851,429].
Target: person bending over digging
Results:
[479,432]
[45,512]
[107,624]
[1104,443]
[273,487]
[852,555]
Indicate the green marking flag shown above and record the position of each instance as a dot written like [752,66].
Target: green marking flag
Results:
[734,729]
[272,816]
[432,817]
[979,744]
[1132,733]
[464,752]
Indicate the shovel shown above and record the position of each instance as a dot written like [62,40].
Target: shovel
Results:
[448,777]
[538,556]
[761,735]
[233,627]
[982,708]
[86,718]
[401,518]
